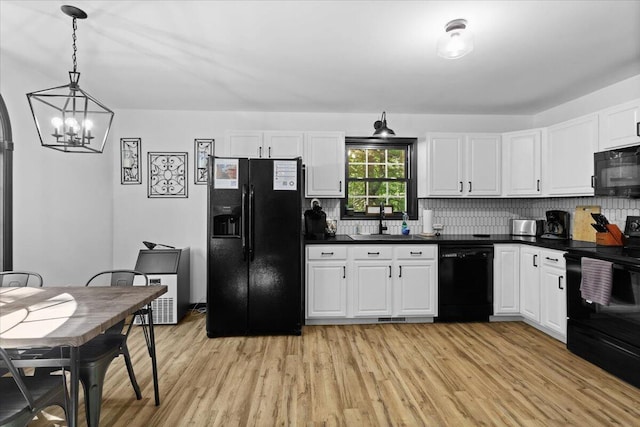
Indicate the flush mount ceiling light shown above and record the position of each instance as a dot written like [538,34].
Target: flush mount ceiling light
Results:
[457,40]
[68,118]
[381,128]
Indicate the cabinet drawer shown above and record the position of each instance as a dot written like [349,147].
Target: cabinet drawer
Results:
[553,258]
[318,252]
[372,252]
[416,251]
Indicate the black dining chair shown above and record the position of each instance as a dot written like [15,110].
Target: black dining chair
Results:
[20,278]
[23,397]
[97,354]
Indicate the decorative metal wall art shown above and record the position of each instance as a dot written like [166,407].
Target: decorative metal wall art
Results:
[167,175]
[130,153]
[203,148]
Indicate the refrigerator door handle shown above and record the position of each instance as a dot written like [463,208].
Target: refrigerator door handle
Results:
[243,229]
[251,222]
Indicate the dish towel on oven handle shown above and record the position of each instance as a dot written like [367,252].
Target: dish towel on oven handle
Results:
[597,280]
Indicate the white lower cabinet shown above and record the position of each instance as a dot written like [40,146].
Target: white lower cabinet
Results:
[372,278]
[361,282]
[543,300]
[326,294]
[415,280]
[530,282]
[506,280]
[553,294]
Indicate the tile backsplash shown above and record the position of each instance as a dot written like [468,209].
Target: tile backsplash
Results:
[489,216]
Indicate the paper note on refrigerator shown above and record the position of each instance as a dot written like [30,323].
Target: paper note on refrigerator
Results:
[225,173]
[285,175]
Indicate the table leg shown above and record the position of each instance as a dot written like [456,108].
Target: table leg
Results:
[154,364]
[75,386]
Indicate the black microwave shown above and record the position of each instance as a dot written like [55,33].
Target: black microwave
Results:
[617,172]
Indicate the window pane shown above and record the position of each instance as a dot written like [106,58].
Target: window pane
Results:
[396,171]
[396,156]
[356,188]
[376,171]
[399,205]
[376,156]
[356,171]
[356,155]
[397,189]
[358,204]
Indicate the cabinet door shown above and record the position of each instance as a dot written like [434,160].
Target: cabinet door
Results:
[445,165]
[553,300]
[243,144]
[324,154]
[530,283]
[415,288]
[570,143]
[283,144]
[326,289]
[521,161]
[619,126]
[506,279]
[372,289]
[483,165]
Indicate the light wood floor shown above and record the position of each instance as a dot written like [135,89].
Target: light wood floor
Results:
[394,374]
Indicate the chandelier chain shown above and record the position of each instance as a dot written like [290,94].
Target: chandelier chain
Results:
[75,49]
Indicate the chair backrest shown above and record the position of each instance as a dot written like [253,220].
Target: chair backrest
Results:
[117,278]
[20,278]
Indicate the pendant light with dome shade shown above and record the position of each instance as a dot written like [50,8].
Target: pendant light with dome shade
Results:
[68,118]
[457,41]
[381,128]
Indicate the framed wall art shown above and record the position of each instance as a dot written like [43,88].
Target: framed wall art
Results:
[203,148]
[130,152]
[167,175]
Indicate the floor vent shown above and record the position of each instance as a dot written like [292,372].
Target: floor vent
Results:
[391,319]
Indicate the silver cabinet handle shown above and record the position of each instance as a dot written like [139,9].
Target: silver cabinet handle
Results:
[593,181]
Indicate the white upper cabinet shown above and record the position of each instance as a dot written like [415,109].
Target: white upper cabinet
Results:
[463,164]
[567,154]
[242,144]
[483,161]
[522,163]
[445,164]
[283,144]
[324,157]
[619,126]
[263,144]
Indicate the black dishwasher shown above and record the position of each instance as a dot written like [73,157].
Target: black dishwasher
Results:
[465,283]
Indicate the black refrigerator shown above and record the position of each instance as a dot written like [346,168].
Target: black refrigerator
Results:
[254,271]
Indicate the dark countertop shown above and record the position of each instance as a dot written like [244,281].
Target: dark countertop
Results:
[458,239]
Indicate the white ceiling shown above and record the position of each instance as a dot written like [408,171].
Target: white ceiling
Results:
[324,56]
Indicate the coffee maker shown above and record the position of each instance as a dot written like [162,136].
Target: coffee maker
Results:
[315,222]
[556,225]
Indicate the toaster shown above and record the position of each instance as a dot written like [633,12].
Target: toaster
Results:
[527,227]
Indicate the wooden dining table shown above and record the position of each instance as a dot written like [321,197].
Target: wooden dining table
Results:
[68,316]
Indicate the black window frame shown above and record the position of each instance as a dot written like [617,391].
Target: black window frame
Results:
[371,142]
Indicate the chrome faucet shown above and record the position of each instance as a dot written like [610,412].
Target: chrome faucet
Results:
[381,228]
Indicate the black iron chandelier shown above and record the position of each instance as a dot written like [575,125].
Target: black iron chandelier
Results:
[67,118]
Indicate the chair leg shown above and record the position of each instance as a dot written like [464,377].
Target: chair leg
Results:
[152,351]
[132,375]
[92,378]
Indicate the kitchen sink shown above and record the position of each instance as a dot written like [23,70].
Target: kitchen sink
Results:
[384,237]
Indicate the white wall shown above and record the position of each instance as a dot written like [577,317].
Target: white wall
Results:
[62,214]
[618,93]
